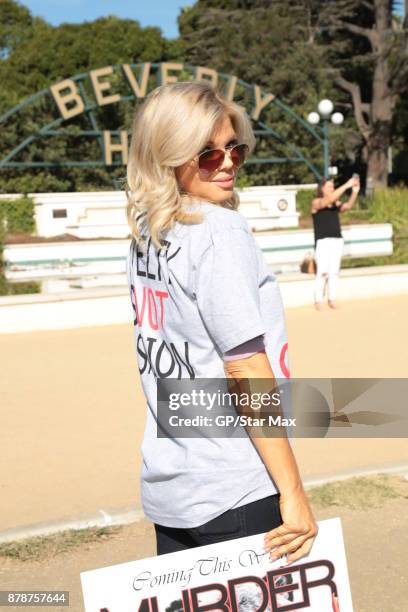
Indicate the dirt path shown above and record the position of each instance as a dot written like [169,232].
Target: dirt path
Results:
[375,540]
[72,410]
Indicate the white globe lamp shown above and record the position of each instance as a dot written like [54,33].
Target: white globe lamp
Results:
[325,108]
[313,118]
[337,118]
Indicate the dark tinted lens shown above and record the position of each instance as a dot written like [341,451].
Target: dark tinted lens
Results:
[238,154]
[211,160]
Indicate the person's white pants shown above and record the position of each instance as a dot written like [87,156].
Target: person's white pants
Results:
[328,257]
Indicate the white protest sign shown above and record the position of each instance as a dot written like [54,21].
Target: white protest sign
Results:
[231,576]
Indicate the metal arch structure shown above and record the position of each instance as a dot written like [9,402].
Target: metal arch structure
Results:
[59,125]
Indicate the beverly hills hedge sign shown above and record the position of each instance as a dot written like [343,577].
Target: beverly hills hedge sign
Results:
[70,101]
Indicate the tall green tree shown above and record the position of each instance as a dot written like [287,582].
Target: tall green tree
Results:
[368,49]
[271,44]
[354,51]
[34,55]
[15,26]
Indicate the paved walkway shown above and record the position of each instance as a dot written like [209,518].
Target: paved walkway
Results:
[72,411]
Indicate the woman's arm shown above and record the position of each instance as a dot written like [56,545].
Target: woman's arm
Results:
[298,531]
[349,204]
[328,200]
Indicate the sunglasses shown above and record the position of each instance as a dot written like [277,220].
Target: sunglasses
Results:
[211,160]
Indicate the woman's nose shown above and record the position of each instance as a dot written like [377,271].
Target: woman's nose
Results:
[227,164]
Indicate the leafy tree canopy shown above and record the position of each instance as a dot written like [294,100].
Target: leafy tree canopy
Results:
[299,50]
[35,55]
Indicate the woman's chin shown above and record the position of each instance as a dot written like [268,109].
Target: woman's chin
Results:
[217,195]
[220,194]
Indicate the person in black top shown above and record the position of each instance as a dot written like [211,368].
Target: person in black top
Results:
[326,207]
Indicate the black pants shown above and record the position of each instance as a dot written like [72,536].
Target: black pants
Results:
[250,519]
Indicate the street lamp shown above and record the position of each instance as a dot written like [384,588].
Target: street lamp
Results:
[325,111]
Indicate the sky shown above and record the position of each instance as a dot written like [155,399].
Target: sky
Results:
[161,13]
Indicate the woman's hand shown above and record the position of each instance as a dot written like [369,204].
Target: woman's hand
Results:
[296,535]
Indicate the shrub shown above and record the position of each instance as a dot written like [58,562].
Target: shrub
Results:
[2,236]
[304,199]
[390,206]
[3,282]
[15,216]
[18,215]
[385,206]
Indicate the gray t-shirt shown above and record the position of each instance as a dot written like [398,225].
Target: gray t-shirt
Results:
[210,291]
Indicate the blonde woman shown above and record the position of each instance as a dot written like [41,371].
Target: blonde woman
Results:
[205,306]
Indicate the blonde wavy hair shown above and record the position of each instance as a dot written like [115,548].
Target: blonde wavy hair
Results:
[172,126]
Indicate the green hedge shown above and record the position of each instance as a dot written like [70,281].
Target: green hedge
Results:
[21,288]
[18,215]
[390,206]
[3,282]
[385,206]
[2,236]
[304,199]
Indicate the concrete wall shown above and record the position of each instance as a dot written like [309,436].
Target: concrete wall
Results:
[101,214]
[109,307]
[280,248]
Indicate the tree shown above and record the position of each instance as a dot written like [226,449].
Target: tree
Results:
[378,77]
[267,43]
[15,25]
[36,55]
[353,51]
